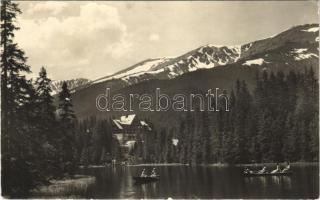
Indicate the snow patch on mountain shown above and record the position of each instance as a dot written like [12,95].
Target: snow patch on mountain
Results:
[210,56]
[313,29]
[216,45]
[204,57]
[300,50]
[247,47]
[237,49]
[305,56]
[302,53]
[258,61]
[145,67]
[203,65]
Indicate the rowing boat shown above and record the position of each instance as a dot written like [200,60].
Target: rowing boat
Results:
[267,174]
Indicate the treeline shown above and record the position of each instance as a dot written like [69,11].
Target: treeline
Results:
[94,142]
[276,122]
[37,138]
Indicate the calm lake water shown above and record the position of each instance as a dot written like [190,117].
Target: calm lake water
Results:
[202,182]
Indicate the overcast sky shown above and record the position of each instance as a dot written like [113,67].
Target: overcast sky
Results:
[93,39]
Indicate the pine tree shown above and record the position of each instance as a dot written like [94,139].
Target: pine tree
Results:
[205,140]
[12,64]
[196,144]
[228,130]
[241,124]
[190,129]
[97,140]
[215,145]
[66,125]
[182,145]
[45,107]
[314,138]
[46,124]
[21,147]
[290,139]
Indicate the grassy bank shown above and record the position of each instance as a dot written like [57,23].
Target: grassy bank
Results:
[75,187]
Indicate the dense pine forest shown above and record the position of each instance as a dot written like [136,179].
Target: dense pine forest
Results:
[276,122]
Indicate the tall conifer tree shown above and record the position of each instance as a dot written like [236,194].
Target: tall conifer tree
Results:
[66,125]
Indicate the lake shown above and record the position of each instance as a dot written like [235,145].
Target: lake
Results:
[201,182]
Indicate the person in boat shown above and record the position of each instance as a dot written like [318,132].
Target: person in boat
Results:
[153,172]
[143,173]
[263,170]
[277,170]
[287,168]
[247,171]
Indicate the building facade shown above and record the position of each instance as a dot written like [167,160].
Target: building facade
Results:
[130,133]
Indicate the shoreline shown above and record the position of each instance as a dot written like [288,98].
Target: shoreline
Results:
[157,164]
[204,165]
[274,163]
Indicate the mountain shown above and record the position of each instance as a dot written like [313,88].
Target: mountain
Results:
[73,84]
[206,67]
[204,57]
[210,56]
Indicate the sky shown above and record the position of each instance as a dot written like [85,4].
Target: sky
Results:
[94,39]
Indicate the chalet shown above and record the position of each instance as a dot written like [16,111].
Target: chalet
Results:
[129,130]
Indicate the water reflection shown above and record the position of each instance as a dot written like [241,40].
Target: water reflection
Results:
[202,182]
[275,180]
[287,182]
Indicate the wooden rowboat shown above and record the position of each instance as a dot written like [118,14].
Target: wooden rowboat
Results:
[145,179]
[267,174]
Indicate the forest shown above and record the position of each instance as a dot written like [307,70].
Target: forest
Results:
[276,122]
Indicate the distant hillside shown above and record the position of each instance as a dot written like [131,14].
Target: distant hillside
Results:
[73,84]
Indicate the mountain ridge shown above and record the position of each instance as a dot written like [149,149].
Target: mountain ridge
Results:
[294,49]
[206,56]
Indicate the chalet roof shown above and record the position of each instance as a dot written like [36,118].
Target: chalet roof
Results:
[124,120]
[127,120]
[117,123]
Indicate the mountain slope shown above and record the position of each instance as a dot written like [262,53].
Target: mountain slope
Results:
[73,84]
[204,68]
[210,56]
